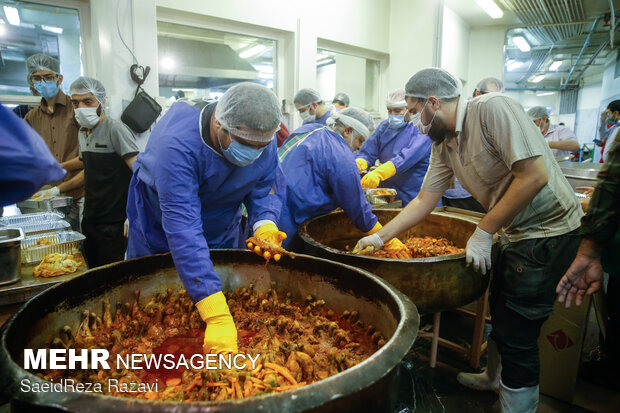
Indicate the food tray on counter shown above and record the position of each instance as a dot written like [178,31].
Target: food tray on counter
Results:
[47,204]
[64,242]
[29,219]
[43,227]
[380,196]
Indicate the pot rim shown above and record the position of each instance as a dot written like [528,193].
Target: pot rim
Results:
[344,383]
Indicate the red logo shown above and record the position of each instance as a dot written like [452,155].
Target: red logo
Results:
[559,340]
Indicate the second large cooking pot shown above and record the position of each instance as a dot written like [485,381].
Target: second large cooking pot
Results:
[433,284]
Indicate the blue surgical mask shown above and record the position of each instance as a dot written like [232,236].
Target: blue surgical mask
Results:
[240,154]
[396,121]
[46,88]
[610,119]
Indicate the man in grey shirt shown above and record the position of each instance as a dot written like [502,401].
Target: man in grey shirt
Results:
[107,152]
[500,157]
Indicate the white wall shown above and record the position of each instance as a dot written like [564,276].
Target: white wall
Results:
[455,44]
[486,55]
[109,60]
[610,86]
[411,26]
[400,29]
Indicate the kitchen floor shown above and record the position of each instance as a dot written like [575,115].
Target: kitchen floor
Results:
[427,390]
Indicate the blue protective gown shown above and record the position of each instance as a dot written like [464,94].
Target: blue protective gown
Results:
[26,164]
[322,120]
[321,175]
[409,151]
[186,198]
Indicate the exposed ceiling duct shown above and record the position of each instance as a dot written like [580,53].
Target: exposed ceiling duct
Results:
[538,58]
[550,21]
[569,39]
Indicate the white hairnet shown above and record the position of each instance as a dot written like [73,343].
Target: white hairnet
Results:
[360,120]
[40,61]
[433,81]
[537,112]
[83,85]
[490,84]
[341,97]
[306,96]
[250,111]
[396,99]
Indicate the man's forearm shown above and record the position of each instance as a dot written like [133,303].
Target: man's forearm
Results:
[416,211]
[589,248]
[72,164]
[129,161]
[530,176]
[568,145]
[76,182]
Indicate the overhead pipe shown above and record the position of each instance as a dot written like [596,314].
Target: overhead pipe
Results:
[599,50]
[534,89]
[583,49]
[612,27]
[585,45]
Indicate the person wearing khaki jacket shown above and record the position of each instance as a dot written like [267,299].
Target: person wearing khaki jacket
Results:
[54,120]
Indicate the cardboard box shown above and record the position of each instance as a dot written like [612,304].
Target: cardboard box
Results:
[560,343]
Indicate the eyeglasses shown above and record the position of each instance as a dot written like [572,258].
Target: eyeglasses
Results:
[36,78]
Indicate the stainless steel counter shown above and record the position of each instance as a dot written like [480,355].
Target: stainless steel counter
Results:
[580,173]
[29,286]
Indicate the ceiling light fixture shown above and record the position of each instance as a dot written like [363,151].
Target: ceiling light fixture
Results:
[253,51]
[555,65]
[490,8]
[53,29]
[264,68]
[538,78]
[513,65]
[544,93]
[12,15]
[521,43]
[167,63]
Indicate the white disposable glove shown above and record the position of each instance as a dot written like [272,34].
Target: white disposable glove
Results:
[478,250]
[126,228]
[48,193]
[373,241]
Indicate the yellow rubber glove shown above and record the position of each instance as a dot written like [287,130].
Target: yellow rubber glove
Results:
[362,165]
[397,248]
[220,333]
[374,229]
[383,172]
[271,234]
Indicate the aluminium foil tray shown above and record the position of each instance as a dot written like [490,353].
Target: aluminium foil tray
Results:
[29,219]
[64,242]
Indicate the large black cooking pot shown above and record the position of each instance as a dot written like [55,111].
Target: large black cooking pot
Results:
[433,284]
[369,386]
